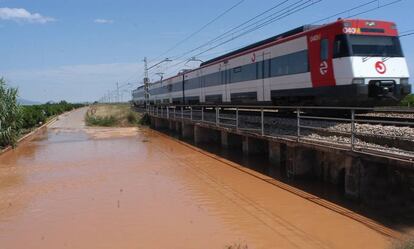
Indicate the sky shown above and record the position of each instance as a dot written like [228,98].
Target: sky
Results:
[78,50]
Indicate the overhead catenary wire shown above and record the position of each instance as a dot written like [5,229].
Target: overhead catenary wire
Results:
[344,11]
[283,15]
[376,8]
[232,30]
[199,30]
[287,11]
[407,34]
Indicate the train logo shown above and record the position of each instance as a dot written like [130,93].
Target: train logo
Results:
[380,67]
[253,57]
[323,68]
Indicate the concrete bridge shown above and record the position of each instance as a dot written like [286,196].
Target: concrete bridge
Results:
[374,179]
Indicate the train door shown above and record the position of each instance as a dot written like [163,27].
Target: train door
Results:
[263,72]
[225,82]
[183,89]
[320,58]
[200,85]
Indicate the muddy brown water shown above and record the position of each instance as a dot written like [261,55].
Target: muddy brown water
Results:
[78,187]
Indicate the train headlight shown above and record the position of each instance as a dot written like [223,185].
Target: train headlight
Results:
[404,81]
[358,81]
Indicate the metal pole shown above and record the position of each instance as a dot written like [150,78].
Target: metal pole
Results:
[352,130]
[117,92]
[146,82]
[262,120]
[217,116]
[191,113]
[182,113]
[202,113]
[237,118]
[168,112]
[298,124]
[175,108]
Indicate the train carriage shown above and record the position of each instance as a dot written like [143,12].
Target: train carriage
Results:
[349,62]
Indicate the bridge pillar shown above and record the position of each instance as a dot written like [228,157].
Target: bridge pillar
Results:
[171,125]
[274,153]
[229,140]
[251,146]
[178,127]
[187,130]
[299,161]
[161,124]
[205,135]
[353,168]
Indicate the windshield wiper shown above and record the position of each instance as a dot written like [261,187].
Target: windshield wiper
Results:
[385,58]
[366,58]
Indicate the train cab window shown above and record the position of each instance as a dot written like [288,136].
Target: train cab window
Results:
[341,47]
[367,45]
[324,49]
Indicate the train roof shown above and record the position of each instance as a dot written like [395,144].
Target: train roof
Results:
[263,42]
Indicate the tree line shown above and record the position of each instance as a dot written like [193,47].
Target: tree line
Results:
[16,119]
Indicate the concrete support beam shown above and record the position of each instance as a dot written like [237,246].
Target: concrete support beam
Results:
[178,127]
[224,139]
[299,161]
[352,177]
[171,125]
[205,135]
[229,140]
[252,146]
[201,135]
[274,153]
[187,130]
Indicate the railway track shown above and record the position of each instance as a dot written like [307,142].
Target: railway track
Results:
[388,132]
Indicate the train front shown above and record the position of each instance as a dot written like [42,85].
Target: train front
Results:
[369,54]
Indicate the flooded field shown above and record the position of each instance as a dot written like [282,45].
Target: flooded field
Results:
[80,187]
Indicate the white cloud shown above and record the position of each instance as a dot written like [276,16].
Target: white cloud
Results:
[103,21]
[22,15]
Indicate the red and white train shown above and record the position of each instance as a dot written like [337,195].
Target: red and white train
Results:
[349,62]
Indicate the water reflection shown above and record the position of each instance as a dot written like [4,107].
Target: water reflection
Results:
[399,218]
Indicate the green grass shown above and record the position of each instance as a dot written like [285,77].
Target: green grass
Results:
[408,101]
[101,121]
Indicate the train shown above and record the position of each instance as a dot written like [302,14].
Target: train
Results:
[349,62]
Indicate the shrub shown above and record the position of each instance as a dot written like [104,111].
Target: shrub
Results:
[145,120]
[132,118]
[100,121]
[10,115]
[38,114]
[408,101]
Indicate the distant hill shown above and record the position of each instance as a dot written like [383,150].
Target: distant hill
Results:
[28,102]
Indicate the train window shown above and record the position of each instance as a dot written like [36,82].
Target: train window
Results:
[341,47]
[243,73]
[324,49]
[385,46]
[259,70]
[237,69]
[266,70]
[290,64]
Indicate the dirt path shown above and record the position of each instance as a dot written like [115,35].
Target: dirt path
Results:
[78,187]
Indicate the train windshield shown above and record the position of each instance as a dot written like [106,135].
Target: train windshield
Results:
[366,45]
[384,46]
